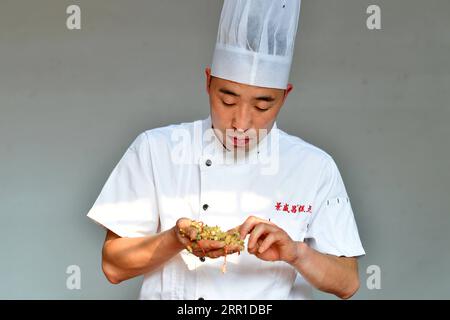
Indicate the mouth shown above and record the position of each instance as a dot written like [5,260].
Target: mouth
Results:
[240,141]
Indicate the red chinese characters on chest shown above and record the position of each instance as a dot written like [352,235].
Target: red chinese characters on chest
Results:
[293,208]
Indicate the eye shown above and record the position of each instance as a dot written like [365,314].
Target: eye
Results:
[262,109]
[228,104]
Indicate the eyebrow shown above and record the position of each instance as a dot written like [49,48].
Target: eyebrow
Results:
[260,98]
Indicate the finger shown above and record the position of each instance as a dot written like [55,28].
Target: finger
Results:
[184,223]
[231,248]
[210,244]
[234,248]
[249,224]
[222,252]
[185,229]
[199,253]
[268,242]
[198,250]
[215,253]
[195,249]
[254,250]
[258,231]
[190,246]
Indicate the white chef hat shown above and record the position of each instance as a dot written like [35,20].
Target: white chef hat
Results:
[255,42]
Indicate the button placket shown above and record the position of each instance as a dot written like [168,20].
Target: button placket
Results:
[205,165]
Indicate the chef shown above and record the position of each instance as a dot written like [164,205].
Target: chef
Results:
[237,170]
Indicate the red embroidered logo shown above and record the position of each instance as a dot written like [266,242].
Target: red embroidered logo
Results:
[294,208]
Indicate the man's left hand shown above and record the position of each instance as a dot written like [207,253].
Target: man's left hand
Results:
[268,241]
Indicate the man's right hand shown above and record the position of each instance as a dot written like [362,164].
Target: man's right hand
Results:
[187,235]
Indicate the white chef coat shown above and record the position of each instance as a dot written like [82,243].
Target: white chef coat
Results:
[179,171]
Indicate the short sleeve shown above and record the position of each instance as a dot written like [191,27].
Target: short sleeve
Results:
[332,228]
[127,202]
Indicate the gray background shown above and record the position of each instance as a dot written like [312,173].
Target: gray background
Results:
[72,101]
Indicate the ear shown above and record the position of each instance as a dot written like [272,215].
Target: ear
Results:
[288,89]
[208,78]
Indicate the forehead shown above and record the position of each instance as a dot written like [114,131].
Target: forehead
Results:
[244,89]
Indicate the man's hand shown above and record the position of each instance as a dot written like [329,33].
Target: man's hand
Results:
[187,235]
[227,249]
[268,241]
[328,273]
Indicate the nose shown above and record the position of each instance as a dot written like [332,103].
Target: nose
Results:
[242,120]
